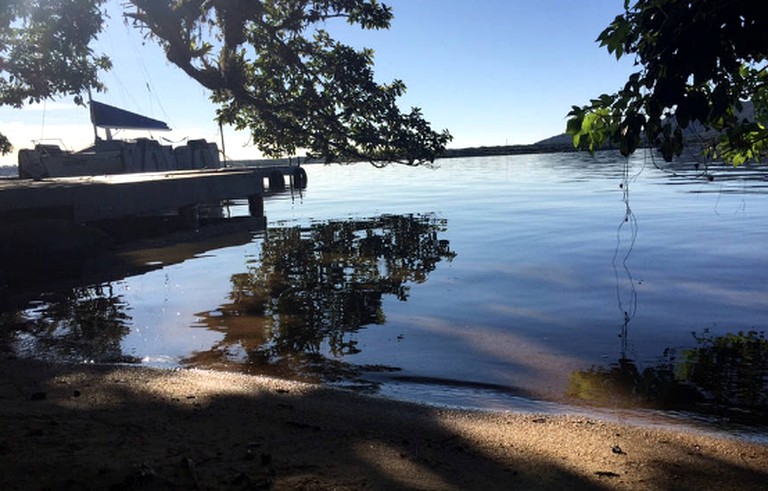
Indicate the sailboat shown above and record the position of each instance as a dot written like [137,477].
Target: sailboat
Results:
[113,156]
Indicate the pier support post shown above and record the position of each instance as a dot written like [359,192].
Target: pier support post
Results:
[276,181]
[256,205]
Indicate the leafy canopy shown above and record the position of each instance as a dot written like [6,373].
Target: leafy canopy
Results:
[45,50]
[270,65]
[700,61]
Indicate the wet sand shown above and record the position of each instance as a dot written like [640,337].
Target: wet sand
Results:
[106,427]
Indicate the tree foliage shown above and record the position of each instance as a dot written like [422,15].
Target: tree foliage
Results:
[270,65]
[702,64]
[45,51]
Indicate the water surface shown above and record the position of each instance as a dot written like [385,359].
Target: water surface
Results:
[522,282]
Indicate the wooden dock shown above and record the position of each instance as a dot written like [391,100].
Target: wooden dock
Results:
[108,197]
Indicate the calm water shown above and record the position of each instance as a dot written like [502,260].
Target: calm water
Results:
[520,282]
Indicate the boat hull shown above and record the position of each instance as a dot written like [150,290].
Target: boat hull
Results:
[117,157]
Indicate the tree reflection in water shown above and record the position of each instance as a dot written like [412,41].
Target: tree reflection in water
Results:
[85,324]
[723,375]
[314,286]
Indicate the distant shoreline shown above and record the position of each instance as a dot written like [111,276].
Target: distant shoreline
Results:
[545,146]
[483,151]
[506,150]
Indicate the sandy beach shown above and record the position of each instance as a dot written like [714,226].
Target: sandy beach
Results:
[119,428]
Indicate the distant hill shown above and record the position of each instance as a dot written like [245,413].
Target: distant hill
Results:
[554,144]
[563,139]
[694,134]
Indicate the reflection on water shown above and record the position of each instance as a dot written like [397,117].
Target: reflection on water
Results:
[729,369]
[290,314]
[312,287]
[723,375]
[85,324]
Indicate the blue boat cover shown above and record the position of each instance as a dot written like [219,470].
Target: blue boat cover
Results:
[106,116]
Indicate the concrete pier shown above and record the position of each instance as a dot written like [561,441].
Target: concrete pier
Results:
[107,197]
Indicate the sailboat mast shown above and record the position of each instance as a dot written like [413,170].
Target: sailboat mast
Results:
[223,149]
[93,120]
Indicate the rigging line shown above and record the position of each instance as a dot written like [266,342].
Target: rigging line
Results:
[148,80]
[129,99]
[107,41]
[42,126]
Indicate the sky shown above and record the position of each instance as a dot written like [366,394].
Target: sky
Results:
[491,72]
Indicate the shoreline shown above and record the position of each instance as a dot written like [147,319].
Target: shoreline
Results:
[672,420]
[125,427]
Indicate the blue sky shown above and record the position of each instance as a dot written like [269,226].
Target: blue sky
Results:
[492,72]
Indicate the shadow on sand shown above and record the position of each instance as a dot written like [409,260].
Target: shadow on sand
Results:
[102,427]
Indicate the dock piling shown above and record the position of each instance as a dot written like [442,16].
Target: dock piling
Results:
[256,205]
[276,181]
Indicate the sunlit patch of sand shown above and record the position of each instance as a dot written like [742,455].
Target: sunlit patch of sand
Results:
[398,466]
[196,388]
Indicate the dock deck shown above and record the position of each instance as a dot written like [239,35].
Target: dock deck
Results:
[94,198]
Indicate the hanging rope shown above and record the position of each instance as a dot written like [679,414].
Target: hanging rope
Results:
[625,233]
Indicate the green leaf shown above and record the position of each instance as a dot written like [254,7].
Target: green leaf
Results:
[698,62]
